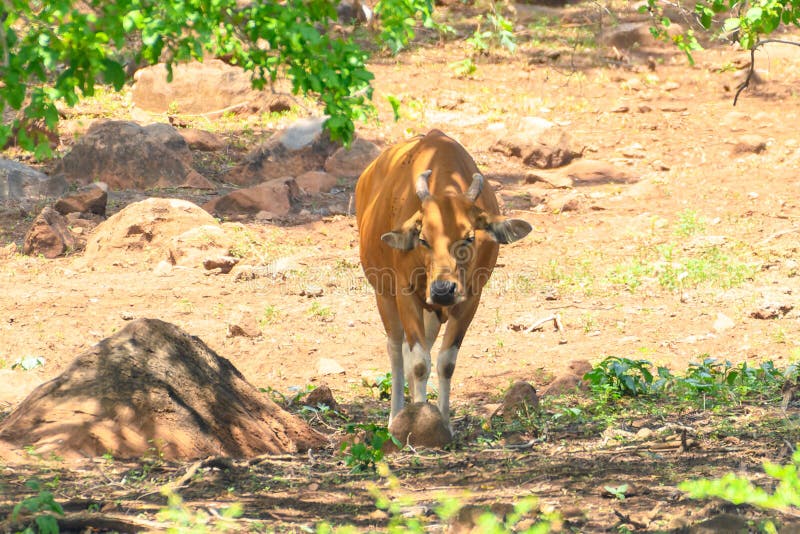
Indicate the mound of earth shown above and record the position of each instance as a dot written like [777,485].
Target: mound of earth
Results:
[150,231]
[153,386]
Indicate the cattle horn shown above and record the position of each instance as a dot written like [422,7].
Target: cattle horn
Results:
[475,188]
[422,185]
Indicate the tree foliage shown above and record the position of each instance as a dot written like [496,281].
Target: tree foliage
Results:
[57,50]
[744,21]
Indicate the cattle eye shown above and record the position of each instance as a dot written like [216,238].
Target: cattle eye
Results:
[469,239]
[424,243]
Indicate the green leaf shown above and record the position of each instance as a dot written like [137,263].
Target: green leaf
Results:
[395,103]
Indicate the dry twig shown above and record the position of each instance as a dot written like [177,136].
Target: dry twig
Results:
[761,42]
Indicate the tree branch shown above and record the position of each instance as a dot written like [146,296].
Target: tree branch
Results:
[746,83]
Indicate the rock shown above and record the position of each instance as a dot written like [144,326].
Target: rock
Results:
[206,88]
[201,140]
[520,399]
[81,225]
[353,12]
[566,384]
[565,202]
[274,197]
[634,35]
[328,366]
[48,235]
[128,156]
[144,232]
[771,310]
[90,199]
[300,148]
[351,162]
[750,144]
[153,385]
[468,518]
[316,182]
[420,424]
[580,367]
[200,245]
[224,264]
[594,172]
[520,200]
[8,251]
[584,172]
[539,143]
[448,100]
[243,323]
[723,323]
[195,180]
[26,186]
[728,523]
[322,395]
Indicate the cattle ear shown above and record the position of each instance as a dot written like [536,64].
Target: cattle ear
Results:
[407,236]
[504,230]
[400,239]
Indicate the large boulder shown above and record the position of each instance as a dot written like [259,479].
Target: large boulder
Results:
[26,186]
[203,88]
[152,385]
[539,142]
[304,146]
[350,162]
[147,232]
[126,155]
[268,200]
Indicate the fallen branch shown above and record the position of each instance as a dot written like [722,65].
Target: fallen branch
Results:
[778,234]
[91,522]
[746,83]
[221,462]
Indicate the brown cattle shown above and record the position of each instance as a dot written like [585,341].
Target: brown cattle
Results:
[429,236]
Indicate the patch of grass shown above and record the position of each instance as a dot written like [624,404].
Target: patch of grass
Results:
[689,223]
[270,316]
[320,311]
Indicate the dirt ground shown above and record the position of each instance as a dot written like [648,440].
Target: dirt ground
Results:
[703,192]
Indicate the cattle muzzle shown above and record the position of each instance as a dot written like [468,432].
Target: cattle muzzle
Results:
[443,293]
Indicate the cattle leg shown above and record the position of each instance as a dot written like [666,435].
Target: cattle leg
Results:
[417,361]
[394,343]
[394,348]
[457,326]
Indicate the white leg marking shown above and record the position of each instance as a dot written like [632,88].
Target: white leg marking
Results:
[445,366]
[418,369]
[396,359]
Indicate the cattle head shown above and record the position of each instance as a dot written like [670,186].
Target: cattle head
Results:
[452,235]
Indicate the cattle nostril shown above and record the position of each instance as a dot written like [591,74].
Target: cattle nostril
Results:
[443,292]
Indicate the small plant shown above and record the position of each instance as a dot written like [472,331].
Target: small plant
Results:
[270,316]
[185,306]
[617,491]
[364,452]
[498,32]
[466,68]
[28,363]
[621,376]
[320,311]
[43,505]
[184,520]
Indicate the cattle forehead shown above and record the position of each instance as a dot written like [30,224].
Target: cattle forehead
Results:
[447,214]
